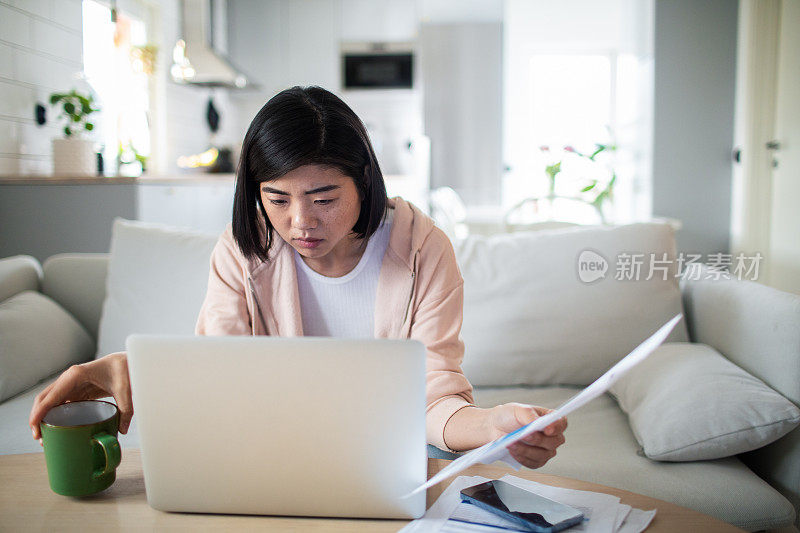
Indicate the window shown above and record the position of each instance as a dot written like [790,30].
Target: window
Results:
[577,75]
[117,62]
[571,101]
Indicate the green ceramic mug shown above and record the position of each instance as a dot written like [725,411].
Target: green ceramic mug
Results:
[81,447]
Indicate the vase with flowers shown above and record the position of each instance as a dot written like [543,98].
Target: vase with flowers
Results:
[589,186]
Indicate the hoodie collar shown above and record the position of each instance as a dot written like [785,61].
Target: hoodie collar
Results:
[410,229]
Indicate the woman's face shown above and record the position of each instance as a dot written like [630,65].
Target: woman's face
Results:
[314,209]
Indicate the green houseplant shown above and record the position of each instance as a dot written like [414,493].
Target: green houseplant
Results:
[74,155]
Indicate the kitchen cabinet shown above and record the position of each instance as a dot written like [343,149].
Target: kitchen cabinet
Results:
[45,216]
[205,207]
[379,20]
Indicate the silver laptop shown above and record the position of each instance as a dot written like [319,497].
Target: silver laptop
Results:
[281,426]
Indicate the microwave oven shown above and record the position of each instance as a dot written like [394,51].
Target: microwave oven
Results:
[377,67]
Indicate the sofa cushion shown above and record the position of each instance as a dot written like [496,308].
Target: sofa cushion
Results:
[157,280]
[19,273]
[601,448]
[37,338]
[686,402]
[78,283]
[530,316]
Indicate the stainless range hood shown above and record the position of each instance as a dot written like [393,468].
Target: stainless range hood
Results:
[196,60]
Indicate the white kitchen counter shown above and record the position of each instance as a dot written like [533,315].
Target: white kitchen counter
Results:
[146,179]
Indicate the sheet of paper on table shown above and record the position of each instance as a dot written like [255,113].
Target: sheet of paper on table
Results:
[497,449]
[604,513]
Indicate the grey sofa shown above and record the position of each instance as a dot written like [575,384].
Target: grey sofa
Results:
[754,326]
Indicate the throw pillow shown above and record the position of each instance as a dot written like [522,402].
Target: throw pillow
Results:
[687,402]
[37,338]
[546,307]
[157,280]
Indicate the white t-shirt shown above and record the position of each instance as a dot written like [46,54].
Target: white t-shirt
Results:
[345,306]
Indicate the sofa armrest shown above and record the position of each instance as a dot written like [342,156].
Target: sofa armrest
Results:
[755,326]
[19,273]
[78,283]
[758,328]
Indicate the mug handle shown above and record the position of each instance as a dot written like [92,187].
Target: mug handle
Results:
[111,450]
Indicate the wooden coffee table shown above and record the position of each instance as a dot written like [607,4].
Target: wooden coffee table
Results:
[27,503]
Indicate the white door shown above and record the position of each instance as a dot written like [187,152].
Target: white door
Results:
[783,263]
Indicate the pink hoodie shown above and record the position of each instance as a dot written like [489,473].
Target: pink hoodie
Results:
[420,296]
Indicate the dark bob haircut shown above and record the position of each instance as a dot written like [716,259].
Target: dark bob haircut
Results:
[296,127]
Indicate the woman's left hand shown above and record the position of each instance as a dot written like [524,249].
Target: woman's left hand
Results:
[537,448]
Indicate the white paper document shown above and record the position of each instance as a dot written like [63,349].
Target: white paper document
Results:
[637,521]
[497,449]
[622,514]
[603,513]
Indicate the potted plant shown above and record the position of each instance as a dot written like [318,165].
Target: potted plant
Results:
[74,155]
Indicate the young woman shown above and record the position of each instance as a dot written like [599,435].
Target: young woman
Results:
[316,248]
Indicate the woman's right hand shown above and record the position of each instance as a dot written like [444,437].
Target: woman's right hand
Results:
[107,376]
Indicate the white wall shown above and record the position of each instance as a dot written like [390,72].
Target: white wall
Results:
[460,11]
[41,49]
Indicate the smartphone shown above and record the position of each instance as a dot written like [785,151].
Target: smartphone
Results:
[522,507]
